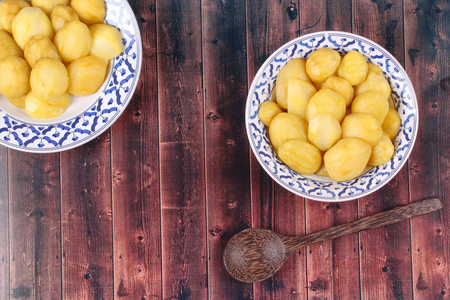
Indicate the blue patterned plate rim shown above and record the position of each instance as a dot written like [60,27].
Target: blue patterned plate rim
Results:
[135,43]
[347,184]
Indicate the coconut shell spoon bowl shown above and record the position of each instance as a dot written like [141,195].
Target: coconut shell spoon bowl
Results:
[256,254]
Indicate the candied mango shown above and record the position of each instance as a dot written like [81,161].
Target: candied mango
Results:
[31,21]
[382,152]
[90,11]
[267,111]
[347,159]
[61,15]
[299,94]
[73,41]
[39,47]
[376,83]
[106,41]
[8,11]
[322,64]
[372,103]
[49,78]
[286,126]
[340,86]
[363,126]
[41,109]
[300,156]
[353,68]
[324,131]
[86,75]
[327,102]
[391,124]
[48,5]
[8,46]
[295,68]
[14,77]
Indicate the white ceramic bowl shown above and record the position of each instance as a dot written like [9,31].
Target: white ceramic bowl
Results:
[317,187]
[87,117]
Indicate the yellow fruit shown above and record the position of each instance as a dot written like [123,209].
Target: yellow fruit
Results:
[347,159]
[61,15]
[73,41]
[90,11]
[60,101]
[8,46]
[14,77]
[8,11]
[106,41]
[86,75]
[31,21]
[286,126]
[49,78]
[324,131]
[353,68]
[375,68]
[295,68]
[323,171]
[318,85]
[267,111]
[299,94]
[48,5]
[376,83]
[371,103]
[391,124]
[40,109]
[322,64]
[363,126]
[300,156]
[382,152]
[40,47]
[340,86]
[327,102]
[18,102]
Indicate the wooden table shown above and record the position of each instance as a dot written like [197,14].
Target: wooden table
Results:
[145,210]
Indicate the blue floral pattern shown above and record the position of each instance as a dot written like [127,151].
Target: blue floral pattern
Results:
[125,70]
[317,187]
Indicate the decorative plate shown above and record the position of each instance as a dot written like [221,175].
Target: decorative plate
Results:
[317,187]
[87,117]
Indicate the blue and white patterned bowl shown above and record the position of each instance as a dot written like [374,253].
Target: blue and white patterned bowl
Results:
[317,187]
[87,117]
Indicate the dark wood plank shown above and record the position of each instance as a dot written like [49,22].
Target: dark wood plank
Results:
[4,225]
[333,266]
[385,252]
[135,181]
[182,150]
[226,148]
[269,25]
[427,47]
[87,221]
[34,221]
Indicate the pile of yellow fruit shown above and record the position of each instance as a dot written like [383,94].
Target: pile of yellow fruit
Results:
[53,48]
[331,115]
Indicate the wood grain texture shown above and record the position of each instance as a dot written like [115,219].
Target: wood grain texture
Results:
[34,221]
[270,24]
[182,151]
[135,178]
[385,252]
[333,266]
[4,225]
[427,46]
[87,221]
[226,144]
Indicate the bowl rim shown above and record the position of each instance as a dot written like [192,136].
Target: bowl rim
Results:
[266,168]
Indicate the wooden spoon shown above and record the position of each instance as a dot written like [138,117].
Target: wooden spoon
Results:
[256,254]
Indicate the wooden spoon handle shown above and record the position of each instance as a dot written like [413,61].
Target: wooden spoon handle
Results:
[384,218]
